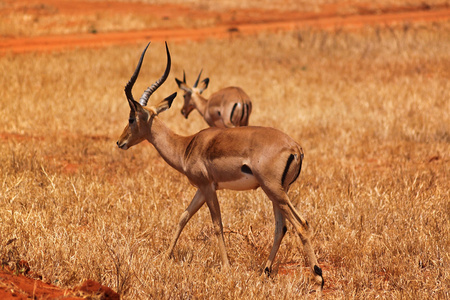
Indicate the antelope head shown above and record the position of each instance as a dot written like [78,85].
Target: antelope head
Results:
[188,91]
[141,117]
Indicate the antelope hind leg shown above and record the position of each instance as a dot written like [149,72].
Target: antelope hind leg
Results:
[280,197]
[280,231]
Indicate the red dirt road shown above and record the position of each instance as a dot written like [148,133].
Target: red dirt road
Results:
[226,24]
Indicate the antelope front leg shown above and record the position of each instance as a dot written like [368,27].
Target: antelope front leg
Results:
[214,209]
[194,206]
[280,231]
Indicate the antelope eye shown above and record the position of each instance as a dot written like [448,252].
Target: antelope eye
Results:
[131,120]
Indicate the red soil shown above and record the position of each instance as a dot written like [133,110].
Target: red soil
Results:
[23,284]
[227,23]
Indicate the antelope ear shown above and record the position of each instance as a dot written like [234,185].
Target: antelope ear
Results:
[137,109]
[203,85]
[182,85]
[179,82]
[165,104]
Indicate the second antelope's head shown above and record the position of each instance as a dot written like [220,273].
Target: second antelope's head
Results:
[141,118]
[188,91]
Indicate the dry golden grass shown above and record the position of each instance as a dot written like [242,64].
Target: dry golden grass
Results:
[370,108]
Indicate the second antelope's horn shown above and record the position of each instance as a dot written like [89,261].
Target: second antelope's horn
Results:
[198,78]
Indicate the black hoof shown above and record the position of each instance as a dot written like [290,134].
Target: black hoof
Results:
[267,272]
[318,271]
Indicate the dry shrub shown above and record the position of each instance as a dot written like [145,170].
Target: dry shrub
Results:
[371,109]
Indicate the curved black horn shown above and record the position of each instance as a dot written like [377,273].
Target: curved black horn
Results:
[198,78]
[184,77]
[133,78]
[149,91]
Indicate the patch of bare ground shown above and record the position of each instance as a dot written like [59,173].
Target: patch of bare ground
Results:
[21,283]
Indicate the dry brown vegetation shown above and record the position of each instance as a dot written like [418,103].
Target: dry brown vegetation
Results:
[370,108]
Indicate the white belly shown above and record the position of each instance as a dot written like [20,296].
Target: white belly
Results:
[246,182]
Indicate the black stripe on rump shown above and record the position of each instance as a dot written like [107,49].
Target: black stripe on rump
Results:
[299,169]
[243,112]
[232,112]
[286,169]
[288,165]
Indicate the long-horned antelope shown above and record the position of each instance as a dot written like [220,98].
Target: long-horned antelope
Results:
[240,158]
[228,107]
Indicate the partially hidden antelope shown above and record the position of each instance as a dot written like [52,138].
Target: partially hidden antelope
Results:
[228,107]
[240,158]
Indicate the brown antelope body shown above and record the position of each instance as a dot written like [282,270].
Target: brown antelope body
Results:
[226,108]
[232,158]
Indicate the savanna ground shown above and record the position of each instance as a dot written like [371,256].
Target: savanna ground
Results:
[369,104]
